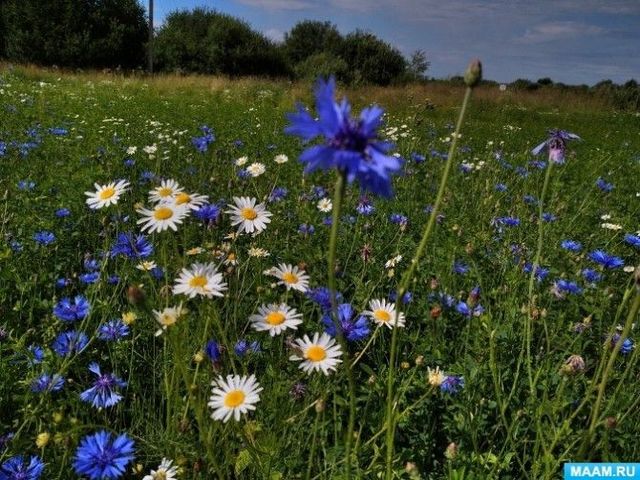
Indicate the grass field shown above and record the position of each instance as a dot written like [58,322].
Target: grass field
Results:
[536,368]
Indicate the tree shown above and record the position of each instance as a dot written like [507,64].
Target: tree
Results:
[371,60]
[418,65]
[309,37]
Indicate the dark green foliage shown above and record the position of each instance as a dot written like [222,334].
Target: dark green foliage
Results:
[322,65]
[309,38]
[205,41]
[74,33]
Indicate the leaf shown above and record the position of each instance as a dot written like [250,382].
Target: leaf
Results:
[243,460]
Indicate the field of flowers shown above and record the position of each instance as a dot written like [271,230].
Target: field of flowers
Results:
[167,258]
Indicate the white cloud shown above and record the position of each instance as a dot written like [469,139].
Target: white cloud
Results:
[554,31]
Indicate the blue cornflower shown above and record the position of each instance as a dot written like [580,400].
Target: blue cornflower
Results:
[327,221]
[571,245]
[213,351]
[208,213]
[3,149]
[71,310]
[522,171]
[603,185]
[244,173]
[351,146]
[549,217]
[202,143]
[132,246]
[102,457]
[129,162]
[508,221]
[530,200]
[103,393]
[322,296]
[26,185]
[157,273]
[36,354]
[63,212]
[44,237]
[91,265]
[5,438]
[89,278]
[47,383]
[353,330]
[16,468]
[539,164]
[15,246]
[242,347]
[364,206]
[113,330]
[63,282]
[58,131]
[501,187]
[306,229]
[318,192]
[591,275]
[627,344]
[418,158]
[444,299]
[633,240]
[460,268]
[406,298]
[556,145]
[463,308]
[278,194]
[606,260]
[566,286]
[147,176]
[398,219]
[68,343]
[113,280]
[541,272]
[452,384]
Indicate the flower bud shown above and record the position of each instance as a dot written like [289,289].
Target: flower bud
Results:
[473,75]
[451,451]
[42,439]
[320,405]
[573,365]
[135,295]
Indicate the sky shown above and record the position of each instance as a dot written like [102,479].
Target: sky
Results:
[569,41]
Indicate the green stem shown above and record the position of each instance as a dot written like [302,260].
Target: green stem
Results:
[406,279]
[331,278]
[603,383]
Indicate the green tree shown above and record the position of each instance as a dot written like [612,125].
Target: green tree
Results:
[309,38]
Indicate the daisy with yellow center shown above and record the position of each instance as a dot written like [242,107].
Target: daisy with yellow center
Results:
[435,377]
[162,217]
[250,217]
[319,353]
[256,169]
[201,279]
[192,201]
[168,317]
[292,277]
[167,190]
[234,396]
[165,471]
[384,313]
[325,205]
[275,319]
[106,195]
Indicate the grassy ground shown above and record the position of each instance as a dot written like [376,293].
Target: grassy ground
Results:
[518,415]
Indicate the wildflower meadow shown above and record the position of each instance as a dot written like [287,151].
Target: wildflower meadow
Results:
[252,279]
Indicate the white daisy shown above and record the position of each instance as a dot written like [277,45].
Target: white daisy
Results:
[291,277]
[146,265]
[165,471]
[162,217]
[202,279]
[275,318]
[282,158]
[251,217]
[132,150]
[258,252]
[168,317]
[234,396]
[192,201]
[384,313]
[256,169]
[325,205]
[106,195]
[320,353]
[241,161]
[167,190]
[435,377]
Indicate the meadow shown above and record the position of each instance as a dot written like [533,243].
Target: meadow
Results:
[514,352]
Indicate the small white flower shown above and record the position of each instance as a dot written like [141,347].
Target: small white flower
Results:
[241,161]
[258,252]
[291,277]
[611,226]
[256,169]
[393,262]
[165,471]
[384,313]
[325,205]
[146,265]
[132,150]
[282,158]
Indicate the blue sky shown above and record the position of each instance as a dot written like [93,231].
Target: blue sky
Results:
[572,41]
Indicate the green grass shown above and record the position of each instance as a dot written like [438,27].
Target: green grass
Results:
[504,423]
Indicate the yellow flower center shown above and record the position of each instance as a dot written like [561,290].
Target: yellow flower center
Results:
[163,213]
[234,398]
[107,193]
[275,318]
[165,191]
[289,277]
[316,353]
[198,281]
[382,315]
[183,198]
[248,213]
[160,475]
[168,319]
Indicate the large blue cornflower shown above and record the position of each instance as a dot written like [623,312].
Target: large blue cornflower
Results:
[17,468]
[113,330]
[102,457]
[132,246]
[351,145]
[47,383]
[606,260]
[70,310]
[103,394]
[68,343]
[353,329]
[322,296]
[208,213]
[556,145]
[633,240]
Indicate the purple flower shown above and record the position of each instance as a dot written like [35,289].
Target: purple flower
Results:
[452,384]
[364,206]
[353,330]
[398,219]
[306,229]
[103,393]
[556,145]
[351,145]
[606,260]
[460,268]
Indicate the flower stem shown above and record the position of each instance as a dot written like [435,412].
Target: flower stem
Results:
[331,278]
[406,279]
